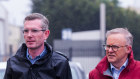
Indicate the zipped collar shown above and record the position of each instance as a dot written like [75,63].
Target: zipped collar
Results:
[104,66]
[21,53]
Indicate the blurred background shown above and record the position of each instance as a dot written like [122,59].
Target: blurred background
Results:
[77,26]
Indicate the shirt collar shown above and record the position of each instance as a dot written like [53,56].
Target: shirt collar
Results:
[123,66]
[40,56]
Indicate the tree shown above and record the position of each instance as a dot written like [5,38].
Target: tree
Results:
[81,15]
[76,14]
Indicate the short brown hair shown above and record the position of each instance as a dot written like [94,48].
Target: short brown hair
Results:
[33,16]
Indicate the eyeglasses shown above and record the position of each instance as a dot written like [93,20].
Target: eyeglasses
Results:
[33,31]
[114,47]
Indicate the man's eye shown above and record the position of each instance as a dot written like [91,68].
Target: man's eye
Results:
[34,30]
[25,30]
[115,46]
[108,46]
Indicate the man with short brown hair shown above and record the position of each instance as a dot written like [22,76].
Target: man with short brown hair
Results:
[35,59]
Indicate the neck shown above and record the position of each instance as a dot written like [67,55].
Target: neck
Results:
[35,52]
[119,64]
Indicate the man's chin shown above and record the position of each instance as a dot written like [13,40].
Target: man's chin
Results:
[111,60]
[31,47]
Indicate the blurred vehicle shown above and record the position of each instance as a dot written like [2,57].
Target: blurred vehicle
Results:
[77,71]
[2,69]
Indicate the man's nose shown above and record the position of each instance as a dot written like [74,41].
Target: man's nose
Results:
[29,33]
[110,49]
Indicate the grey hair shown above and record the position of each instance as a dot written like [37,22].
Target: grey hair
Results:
[33,16]
[124,31]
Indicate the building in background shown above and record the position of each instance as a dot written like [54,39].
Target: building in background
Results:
[10,36]
[84,47]
[3,32]
[14,39]
[86,35]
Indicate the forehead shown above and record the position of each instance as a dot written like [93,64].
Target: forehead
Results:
[33,23]
[116,39]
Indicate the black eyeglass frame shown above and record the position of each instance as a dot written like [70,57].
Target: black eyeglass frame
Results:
[113,47]
[33,30]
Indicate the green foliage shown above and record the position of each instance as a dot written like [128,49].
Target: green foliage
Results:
[76,14]
[83,15]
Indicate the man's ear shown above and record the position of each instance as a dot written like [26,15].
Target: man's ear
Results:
[47,33]
[129,49]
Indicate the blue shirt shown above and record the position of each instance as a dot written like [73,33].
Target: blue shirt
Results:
[116,72]
[29,57]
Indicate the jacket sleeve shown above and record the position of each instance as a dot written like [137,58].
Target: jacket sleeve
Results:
[63,70]
[8,73]
[66,71]
[91,76]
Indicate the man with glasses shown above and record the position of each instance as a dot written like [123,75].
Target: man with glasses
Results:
[36,59]
[118,62]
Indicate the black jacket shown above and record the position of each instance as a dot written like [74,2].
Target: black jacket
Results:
[52,66]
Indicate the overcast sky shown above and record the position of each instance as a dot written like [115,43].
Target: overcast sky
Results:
[18,9]
[126,3]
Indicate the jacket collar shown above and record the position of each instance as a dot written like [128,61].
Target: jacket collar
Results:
[21,53]
[106,69]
